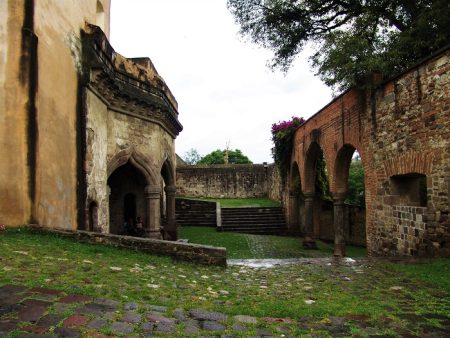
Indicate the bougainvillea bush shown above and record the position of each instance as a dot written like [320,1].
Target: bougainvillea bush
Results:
[283,137]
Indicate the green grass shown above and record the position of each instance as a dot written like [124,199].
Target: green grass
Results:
[244,246]
[434,272]
[240,202]
[39,260]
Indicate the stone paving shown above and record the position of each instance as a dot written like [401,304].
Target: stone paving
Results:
[43,312]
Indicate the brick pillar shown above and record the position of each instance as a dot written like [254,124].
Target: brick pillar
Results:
[338,224]
[153,217]
[308,241]
[170,231]
[293,212]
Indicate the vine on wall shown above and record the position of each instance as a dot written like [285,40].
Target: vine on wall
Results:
[283,140]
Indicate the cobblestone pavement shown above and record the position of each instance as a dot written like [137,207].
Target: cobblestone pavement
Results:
[43,312]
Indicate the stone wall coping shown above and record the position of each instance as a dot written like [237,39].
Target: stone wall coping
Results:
[194,253]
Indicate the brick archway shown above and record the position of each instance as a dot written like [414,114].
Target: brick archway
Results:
[400,128]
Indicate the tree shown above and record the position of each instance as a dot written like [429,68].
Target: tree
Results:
[353,38]
[355,193]
[217,157]
[191,156]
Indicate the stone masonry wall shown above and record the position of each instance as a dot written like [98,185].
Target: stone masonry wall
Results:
[401,129]
[226,181]
[194,253]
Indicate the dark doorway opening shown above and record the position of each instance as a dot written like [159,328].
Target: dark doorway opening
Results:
[129,208]
[126,200]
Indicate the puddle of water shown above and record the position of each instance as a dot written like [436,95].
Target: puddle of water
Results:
[271,263]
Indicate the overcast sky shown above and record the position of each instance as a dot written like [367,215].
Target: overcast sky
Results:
[225,91]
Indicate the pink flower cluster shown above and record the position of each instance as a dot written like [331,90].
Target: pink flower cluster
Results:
[283,125]
[2,227]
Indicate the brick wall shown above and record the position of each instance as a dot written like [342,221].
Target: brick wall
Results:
[401,129]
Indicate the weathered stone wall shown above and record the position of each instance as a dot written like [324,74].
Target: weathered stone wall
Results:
[401,129]
[228,181]
[131,124]
[193,253]
[39,96]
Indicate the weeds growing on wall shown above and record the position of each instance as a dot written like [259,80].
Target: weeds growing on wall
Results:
[283,140]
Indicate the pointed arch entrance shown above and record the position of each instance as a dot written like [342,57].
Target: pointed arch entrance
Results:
[135,195]
[127,199]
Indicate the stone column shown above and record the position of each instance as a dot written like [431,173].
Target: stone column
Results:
[153,216]
[170,231]
[293,211]
[308,233]
[338,224]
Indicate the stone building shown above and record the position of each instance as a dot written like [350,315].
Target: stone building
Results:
[401,129]
[87,135]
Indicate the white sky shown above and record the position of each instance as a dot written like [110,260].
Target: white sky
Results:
[224,89]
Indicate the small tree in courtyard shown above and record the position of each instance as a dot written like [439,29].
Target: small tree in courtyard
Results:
[218,157]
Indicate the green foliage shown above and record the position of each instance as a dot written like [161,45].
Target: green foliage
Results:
[218,157]
[353,39]
[192,156]
[322,182]
[355,193]
[283,140]
[362,288]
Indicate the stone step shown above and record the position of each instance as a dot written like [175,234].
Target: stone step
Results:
[254,220]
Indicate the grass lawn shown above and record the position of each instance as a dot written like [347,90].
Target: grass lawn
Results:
[244,246]
[240,202]
[385,295]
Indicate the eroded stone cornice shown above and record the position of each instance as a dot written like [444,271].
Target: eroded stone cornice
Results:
[129,86]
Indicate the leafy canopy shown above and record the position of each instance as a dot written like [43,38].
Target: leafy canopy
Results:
[218,157]
[353,38]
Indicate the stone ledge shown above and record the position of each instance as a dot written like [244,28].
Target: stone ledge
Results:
[194,253]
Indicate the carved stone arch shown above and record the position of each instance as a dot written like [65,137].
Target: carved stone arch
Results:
[168,171]
[139,161]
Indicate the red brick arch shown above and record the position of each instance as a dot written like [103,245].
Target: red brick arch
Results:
[398,127]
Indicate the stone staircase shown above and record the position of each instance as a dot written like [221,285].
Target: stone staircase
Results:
[195,213]
[268,221]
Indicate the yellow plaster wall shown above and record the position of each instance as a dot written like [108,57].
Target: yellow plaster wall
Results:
[14,192]
[57,25]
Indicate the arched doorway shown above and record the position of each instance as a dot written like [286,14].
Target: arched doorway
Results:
[348,200]
[127,198]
